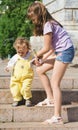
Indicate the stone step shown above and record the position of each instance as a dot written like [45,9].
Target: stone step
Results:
[36,113]
[68,96]
[67,82]
[37,126]
[70,79]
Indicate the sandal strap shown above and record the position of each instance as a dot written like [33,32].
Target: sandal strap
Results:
[54,119]
[46,102]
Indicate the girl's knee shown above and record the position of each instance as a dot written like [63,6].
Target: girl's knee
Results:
[55,83]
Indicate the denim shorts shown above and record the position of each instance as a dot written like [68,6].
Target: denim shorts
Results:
[66,56]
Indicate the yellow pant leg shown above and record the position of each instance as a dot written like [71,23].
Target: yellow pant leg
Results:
[15,87]
[26,88]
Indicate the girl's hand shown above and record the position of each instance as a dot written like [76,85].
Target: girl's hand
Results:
[38,61]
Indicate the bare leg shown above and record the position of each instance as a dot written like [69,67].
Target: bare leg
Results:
[58,72]
[48,65]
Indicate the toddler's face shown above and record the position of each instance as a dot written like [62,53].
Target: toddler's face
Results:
[21,49]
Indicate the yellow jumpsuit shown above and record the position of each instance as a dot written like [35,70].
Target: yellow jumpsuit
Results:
[21,79]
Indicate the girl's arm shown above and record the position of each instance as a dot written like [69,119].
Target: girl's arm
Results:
[45,56]
[47,49]
[47,45]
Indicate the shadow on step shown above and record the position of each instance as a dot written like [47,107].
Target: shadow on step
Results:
[72,114]
[68,96]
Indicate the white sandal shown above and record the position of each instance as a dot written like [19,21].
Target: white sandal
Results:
[54,120]
[46,102]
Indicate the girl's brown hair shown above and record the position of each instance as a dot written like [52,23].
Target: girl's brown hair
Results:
[38,9]
[21,40]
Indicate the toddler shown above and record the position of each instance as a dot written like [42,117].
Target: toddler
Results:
[22,72]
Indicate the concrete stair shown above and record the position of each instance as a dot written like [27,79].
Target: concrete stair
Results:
[69,86]
[24,118]
[68,96]
[36,113]
[37,126]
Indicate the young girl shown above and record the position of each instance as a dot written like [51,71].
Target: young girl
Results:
[22,72]
[59,51]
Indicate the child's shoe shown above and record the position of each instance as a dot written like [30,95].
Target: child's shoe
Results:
[28,103]
[17,103]
[54,120]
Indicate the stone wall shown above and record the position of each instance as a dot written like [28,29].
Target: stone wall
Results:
[66,12]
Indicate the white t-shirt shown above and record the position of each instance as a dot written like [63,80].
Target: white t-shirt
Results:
[14,59]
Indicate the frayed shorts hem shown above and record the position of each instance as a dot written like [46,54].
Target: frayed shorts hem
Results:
[66,56]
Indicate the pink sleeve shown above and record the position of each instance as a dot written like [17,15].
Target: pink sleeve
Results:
[47,28]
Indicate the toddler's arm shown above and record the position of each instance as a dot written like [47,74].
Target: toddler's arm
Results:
[11,63]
